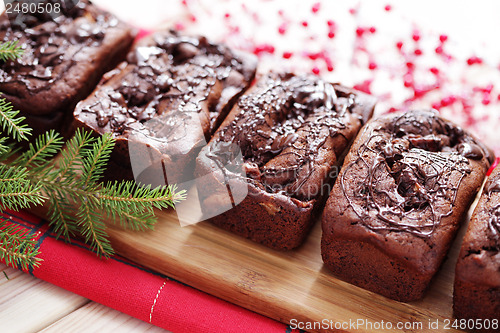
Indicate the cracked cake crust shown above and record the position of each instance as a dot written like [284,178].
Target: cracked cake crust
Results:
[168,98]
[476,293]
[292,131]
[63,60]
[402,193]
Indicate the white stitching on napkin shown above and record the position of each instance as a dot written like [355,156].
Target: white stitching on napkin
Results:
[154,302]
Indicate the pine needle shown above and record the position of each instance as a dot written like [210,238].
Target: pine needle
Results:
[96,159]
[8,150]
[40,153]
[139,197]
[60,217]
[138,221]
[4,146]
[10,50]
[17,247]
[78,202]
[71,156]
[11,123]
[10,174]
[93,229]
[16,190]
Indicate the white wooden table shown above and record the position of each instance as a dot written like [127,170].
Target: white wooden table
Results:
[28,304]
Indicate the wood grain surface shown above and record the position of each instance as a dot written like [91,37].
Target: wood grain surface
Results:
[281,285]
[94,317]
[28,304]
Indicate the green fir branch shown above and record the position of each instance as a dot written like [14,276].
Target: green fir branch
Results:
[4,146]
[71,156]
[10,50]
[19,196]
[93,228]
[17,247]
[8,150]
[40,154]
[139,197]
[96,159]
[133,220]
[11,174]
[59,215]
[11,123]
[16,189]
[78,202]
[132,205]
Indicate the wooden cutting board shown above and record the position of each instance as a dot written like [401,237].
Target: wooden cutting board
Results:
[281,285]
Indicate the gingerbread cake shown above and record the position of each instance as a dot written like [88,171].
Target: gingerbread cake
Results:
[63,60]
[477,275]
[264,174]
[164,103]
[398,202]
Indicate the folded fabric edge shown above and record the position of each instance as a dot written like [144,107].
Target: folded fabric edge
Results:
[133,289]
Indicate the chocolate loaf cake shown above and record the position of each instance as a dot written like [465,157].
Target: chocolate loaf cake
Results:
[266,170]
[163,104]
[399,199]
[477,275]
[63,60]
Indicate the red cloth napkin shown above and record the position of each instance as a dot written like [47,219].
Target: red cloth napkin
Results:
[132,289]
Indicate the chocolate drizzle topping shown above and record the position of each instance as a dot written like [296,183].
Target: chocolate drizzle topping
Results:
[410,170]
[234,71]
[52,45]
[153,96]
[165,82]
[280,128]
[493,185]
[494,221]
